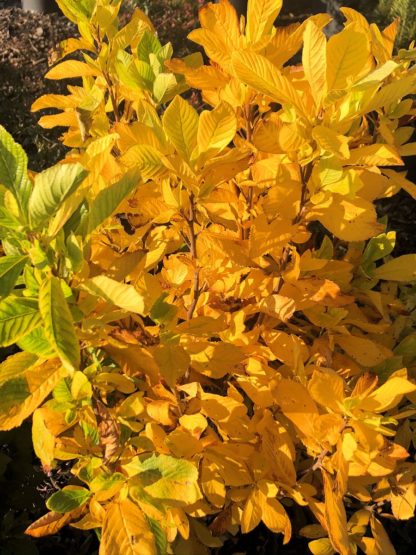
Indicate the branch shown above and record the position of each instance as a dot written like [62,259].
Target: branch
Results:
[192,247]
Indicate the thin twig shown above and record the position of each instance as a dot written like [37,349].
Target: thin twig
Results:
[192,246]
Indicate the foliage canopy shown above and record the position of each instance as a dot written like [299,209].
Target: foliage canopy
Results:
[211,325]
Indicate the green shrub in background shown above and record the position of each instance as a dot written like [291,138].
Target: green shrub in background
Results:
[405,9]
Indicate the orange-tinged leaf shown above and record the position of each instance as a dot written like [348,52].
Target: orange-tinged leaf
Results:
[49,524]
[335,516]
[383,544]
[296,404]
[261,15]
[252,511]
[327,388]
[276,519]
[363,350]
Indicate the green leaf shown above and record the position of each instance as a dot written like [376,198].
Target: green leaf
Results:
[58,323]
[52,187]
[13,392]
[13,170]
[173,362]
[10,269]
[119,294]
[379,247]
[161,541]
[162,312]
[108,200]
[68,499]
[173,480]
[36,343]
[149,44]
[18,317]
[77,10]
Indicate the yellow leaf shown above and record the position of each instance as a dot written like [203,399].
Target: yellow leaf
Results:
[263,76]
[335,516]
[43,439]
[277,306]
[147,159]
[375,155]
[321,547]
[363,350]
[40,381]
[296,403]
[212,484]
[261,15]
[180,122]
[71,68]
[120,294]
[126,531]
[327,388]
[287,348]
[63,119]
[348,55]
[252,511]
[173,362]
[276,519]
[221,18]
[383,544]
[352,16]
[402,268]
[388,395]
[349,220]
[59,101]
[216,130]
[403,501]
[330,141]
[314,61]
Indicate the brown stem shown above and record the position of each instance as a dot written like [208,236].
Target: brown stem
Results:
[284,261]
[248,113]
[192,247]
[112,96]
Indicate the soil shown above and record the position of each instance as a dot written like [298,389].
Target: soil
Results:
[26,41]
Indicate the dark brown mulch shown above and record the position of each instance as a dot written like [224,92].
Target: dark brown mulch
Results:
[26,38]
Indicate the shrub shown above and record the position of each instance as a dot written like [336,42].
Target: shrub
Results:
[403,9]
[211,326]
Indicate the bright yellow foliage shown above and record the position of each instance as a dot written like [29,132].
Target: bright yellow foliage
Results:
[213,303]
